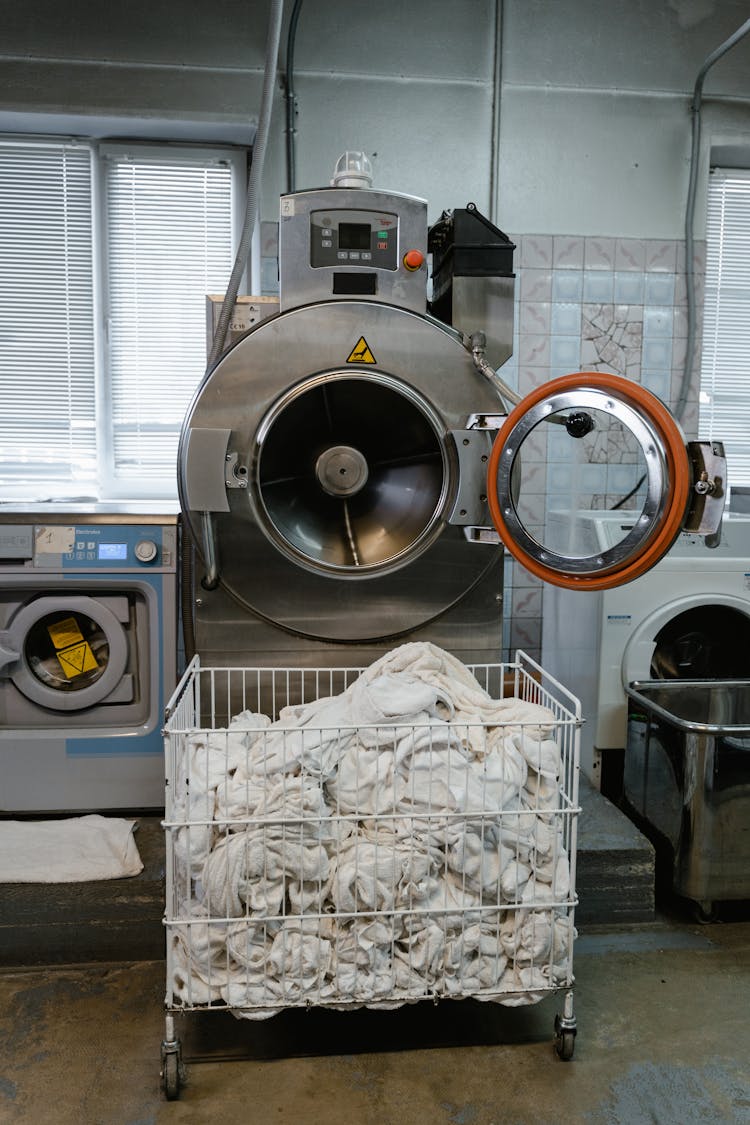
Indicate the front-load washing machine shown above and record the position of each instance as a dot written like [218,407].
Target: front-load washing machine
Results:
[687,618]
[351,469]
[87,656]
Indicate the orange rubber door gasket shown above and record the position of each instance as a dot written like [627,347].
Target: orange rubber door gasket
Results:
[678,481]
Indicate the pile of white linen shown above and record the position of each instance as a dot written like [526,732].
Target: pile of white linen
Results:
[400,840]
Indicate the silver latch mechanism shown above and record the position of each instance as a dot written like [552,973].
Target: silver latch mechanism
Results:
[235,475]
[473,446]
[709,465]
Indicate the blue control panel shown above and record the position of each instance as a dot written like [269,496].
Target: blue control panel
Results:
[105,546]
[89,547]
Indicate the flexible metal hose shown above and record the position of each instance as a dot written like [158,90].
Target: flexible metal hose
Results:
[291,169]
[254,180]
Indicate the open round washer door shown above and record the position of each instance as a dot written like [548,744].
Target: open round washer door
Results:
[577,446]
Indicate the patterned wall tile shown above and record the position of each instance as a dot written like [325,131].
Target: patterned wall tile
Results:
[527,602]
[535,285]
[533,349]
[536,251]
[534,316]
[567,253]
[630,254]
[661,255]
[599,253]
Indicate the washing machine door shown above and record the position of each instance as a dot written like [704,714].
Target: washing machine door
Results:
[577,447]
[68,652]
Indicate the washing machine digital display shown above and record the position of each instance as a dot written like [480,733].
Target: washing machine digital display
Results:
[353,237]
[113,552]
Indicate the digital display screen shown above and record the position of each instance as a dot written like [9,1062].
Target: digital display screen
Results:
[354,236]
[113,552]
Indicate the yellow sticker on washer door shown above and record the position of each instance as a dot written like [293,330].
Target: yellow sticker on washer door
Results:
[77,660]
[65,633]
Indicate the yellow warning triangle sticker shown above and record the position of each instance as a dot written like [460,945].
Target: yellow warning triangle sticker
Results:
[361,353]
[78,659]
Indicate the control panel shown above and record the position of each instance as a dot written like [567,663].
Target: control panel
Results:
[346,243]
[94,547]
[356,238]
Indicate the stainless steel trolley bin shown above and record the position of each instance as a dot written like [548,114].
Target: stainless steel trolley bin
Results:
[687,774]
[313,861]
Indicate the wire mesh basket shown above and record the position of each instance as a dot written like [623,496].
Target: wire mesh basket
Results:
[355,837]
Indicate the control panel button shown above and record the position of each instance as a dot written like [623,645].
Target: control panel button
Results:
[146,550]
[413,259]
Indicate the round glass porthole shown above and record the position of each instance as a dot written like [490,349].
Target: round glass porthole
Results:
[582,446]
[74,650]
[67,652]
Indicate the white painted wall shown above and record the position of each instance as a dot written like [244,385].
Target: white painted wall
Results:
[595,123]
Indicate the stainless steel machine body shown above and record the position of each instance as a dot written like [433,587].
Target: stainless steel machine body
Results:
[331,462]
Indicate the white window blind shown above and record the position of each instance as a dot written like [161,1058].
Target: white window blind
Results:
[725,363]
[47,353]
[168,241]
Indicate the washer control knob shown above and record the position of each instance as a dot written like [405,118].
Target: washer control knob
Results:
[146,551]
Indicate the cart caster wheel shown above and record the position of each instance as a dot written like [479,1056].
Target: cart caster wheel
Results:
[565,1040]
[170,1076]
[705,912]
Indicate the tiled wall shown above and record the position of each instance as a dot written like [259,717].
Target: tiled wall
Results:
[594,304]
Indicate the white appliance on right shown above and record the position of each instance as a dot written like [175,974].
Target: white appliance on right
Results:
[686,618]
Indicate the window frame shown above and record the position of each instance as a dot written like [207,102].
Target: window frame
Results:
[718,285]
[43,488]
[105,487]
[144,488]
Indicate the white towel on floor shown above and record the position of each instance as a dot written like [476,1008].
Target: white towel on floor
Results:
[75,850]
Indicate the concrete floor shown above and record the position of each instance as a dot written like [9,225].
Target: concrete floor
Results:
[664,1036]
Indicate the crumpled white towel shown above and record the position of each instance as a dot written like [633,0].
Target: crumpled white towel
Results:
[75,850]
[249,871]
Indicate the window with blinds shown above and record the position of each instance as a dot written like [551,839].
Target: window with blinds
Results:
[47,339]
[725,363]
[107,253]
[168,243]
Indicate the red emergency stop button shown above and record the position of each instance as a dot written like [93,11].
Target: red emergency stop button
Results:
[413,259]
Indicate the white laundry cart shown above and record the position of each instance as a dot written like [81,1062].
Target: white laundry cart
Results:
[314,860]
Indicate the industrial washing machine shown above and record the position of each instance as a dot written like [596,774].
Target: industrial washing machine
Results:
[688,618]
[349,470]
[88,601]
